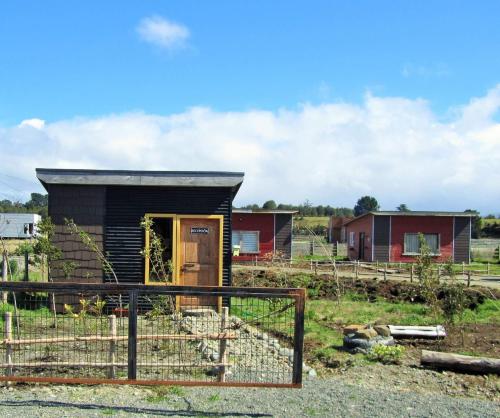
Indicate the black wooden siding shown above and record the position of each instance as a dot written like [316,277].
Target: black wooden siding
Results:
[283,234]
[381,238]
[461,247]
[86,206]
[125,206]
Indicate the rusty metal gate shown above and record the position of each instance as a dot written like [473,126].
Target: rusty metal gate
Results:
[137,334]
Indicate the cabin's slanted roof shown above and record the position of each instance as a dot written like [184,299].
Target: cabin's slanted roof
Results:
[232,180]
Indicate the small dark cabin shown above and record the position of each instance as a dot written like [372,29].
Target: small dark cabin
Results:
[191,212]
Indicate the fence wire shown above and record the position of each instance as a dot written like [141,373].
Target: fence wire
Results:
[151,334]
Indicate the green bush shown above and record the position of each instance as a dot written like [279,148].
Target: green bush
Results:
[23,248]
[386,354]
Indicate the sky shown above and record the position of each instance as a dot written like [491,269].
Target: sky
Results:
[320,100]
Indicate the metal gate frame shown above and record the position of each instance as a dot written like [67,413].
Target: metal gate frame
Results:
[133,290]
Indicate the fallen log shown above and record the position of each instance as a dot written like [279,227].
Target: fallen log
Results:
[417,331]
[457,362]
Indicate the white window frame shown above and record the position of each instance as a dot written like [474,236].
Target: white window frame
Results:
[436,254]
[241,231]
[352,238]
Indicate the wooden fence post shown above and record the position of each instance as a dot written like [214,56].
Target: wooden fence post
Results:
[311,262]
[112,347]
[223,344]
[385,271]
[4,275]
[488,268]
[357,269]
[311,247]
[316,268]
[8,345]
[411,273]
[26,267]
[463,268]
[468,278]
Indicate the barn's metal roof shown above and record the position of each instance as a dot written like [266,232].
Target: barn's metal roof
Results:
[140,178]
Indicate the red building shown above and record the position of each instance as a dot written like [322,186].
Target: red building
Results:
[393,236]
[262,233]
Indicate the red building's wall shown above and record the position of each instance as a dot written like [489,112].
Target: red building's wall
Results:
[442,225]
[264,223]
[361,225]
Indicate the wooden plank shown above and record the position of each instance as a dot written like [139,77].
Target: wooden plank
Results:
[437,331]
[187,337]
[457,362]
[50,364]
[223,343]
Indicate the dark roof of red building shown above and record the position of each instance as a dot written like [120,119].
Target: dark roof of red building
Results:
[412,213]
[264,211]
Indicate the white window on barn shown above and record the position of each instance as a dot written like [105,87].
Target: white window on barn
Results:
[351,239]
[412,243]
[247,240]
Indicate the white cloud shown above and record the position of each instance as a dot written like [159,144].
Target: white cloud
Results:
[162,32]
[34,123]
[391,147]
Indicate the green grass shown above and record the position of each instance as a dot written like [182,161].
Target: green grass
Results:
[310,221]
[163,393]
[490,221]
[324,319]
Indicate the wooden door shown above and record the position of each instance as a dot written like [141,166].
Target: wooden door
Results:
[199,250]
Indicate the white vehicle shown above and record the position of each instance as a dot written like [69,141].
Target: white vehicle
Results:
[18,225]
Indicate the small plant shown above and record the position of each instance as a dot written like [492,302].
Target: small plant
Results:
[68,309]
[68,268]
[161,269]
[98,307]
[454,299]
[386,354]
[214,398]
[428,278]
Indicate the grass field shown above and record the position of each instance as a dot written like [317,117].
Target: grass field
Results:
[310,221]
[325,318]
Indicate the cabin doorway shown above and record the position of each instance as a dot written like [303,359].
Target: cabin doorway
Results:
[361,249]
[192,251]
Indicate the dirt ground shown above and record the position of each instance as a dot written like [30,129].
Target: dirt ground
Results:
[473,339]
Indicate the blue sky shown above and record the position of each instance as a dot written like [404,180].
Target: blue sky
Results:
[72,65]
[60,59]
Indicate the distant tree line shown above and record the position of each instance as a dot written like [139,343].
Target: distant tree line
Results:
[38,203]
[304,209]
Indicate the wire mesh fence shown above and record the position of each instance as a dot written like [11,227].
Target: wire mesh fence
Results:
[90,333]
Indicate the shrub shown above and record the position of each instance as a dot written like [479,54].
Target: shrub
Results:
[23,248]
[386,354]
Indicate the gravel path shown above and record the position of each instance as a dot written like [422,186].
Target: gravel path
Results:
[319,397]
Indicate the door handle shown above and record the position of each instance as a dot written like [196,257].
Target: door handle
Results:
[188,266]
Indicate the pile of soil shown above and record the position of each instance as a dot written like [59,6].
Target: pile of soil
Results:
[324,286]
